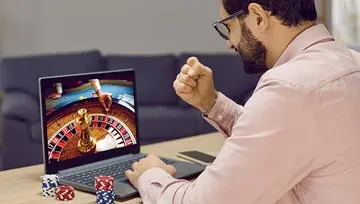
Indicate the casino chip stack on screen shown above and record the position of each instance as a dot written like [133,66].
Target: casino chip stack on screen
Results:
[49,184]
[104,186]
[51,188]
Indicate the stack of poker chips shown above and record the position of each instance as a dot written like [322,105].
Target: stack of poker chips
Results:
[65,193]
[49,184]
[105,193]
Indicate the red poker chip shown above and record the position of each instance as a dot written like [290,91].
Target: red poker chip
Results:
[65,193]
[104,183]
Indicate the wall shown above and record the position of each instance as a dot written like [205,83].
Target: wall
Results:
[346,21]
[113,26]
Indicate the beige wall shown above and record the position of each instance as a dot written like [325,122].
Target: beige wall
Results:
[113,26]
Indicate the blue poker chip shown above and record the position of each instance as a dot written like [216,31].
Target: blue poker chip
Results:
[50,184]
[105,197]
[49,181]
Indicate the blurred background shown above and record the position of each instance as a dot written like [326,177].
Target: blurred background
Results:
[113,26]
[135,26]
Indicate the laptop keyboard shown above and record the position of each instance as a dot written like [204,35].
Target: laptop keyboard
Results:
[115,170]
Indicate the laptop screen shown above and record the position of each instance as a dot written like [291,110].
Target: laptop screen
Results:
[88,117]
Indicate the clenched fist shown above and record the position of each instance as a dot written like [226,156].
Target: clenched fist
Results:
[194,84]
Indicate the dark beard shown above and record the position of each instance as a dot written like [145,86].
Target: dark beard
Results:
[253,52]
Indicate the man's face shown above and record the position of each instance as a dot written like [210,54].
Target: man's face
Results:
[243,41]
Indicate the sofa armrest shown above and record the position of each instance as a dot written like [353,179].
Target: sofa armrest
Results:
[20,106]
[19,148]
[1,126]
[1,162]
[20,126]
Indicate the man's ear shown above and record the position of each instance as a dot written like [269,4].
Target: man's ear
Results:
[260,15]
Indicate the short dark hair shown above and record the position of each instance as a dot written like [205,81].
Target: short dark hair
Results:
[290,12]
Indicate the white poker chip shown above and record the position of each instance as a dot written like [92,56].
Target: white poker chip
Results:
[49,183]
[49,177]
[49,192]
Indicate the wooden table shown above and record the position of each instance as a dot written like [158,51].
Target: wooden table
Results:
[23,185]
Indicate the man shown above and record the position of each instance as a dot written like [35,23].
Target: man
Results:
[297,139]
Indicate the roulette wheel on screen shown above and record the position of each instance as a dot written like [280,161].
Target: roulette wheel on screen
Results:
[83,127]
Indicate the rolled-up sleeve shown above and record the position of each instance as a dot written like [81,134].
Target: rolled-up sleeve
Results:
[270,150]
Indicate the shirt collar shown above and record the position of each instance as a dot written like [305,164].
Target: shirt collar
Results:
[304,40]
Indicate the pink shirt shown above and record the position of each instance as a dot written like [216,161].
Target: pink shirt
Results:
[296,141]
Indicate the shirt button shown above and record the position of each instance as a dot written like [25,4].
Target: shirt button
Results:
[220,117]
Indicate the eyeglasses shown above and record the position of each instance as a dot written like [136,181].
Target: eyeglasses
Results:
[222,28]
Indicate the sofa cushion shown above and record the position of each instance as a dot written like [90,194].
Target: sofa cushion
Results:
[154,77]
[22,73]
[166,123]
[229,75]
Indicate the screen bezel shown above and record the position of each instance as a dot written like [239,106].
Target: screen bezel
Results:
[52,168]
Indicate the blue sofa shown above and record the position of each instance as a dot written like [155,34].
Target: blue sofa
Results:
[162,114]
[355,47]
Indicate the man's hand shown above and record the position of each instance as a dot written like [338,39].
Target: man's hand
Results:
[194,84]
[54,96]
[105,100]
[151,161]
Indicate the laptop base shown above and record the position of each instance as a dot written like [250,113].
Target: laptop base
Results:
[123,188]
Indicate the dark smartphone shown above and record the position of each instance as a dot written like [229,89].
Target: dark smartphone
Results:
[197,157]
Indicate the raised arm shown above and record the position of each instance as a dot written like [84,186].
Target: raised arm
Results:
[96,85]
[104,98]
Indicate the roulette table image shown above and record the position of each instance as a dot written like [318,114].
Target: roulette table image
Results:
[77,123]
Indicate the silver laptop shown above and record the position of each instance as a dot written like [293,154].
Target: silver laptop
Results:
[90,128]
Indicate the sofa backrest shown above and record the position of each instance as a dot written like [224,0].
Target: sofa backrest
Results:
[22,73]
[228,72]
[19,83]
[154,77]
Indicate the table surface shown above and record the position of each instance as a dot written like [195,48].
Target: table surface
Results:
[23,185]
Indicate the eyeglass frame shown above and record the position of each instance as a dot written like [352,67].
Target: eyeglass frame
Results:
[215,24]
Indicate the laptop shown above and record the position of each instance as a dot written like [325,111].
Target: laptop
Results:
[90,128]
